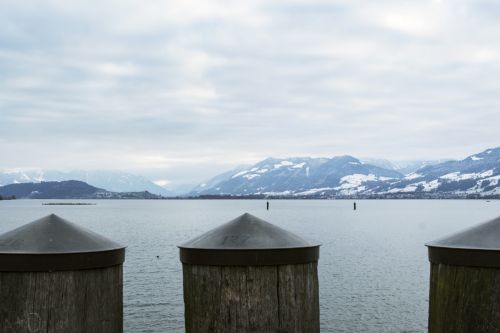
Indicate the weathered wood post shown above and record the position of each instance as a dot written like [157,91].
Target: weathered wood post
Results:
[250,276]
[465,281]
[56,277]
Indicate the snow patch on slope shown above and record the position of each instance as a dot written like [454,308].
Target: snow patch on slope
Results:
[299,166]
[413,175]
[251,176]
[456,176]
[430,186]
[314,191]
[407,188]
[355,180]
[282,164]
[278,193]
[241,173]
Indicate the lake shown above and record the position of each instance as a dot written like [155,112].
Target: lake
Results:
[373,267]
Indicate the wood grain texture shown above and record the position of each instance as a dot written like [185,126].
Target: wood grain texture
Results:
[81,301]
[464,299]
[299,298]
[281,298]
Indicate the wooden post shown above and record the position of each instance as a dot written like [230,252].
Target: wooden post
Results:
[465,281]
[56,277]
[250,276]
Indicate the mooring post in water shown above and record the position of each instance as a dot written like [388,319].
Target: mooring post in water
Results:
[58,277]
[465,281]
[250,276]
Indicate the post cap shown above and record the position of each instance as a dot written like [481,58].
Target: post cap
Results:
[55,244]
[477,246]
[248,241]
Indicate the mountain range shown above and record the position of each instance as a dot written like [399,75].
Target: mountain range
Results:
[69,189]
[114,181]
[303,177]
[347,176]
[403,167]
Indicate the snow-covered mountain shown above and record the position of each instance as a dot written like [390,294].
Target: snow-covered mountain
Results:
[346,176]
[115,181]
[299,176]
[477,174]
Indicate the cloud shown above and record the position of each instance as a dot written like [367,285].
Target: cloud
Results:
[114,69]
[169,86]
[423,19]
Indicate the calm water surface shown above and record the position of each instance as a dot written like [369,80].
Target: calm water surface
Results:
[373,266]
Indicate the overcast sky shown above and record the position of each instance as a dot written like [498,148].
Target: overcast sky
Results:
[181,90]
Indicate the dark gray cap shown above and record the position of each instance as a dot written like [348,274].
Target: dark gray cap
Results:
[248,241]
[54,244]
[476,246]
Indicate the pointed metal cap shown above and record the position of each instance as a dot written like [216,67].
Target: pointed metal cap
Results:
[54,244]
[248,241]
[477,246]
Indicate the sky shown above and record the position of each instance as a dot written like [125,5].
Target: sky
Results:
[179,91]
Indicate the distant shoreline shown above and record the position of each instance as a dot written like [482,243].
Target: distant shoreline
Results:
[68,204]
[247,198]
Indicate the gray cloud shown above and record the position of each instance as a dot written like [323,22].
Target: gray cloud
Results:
[182,90]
